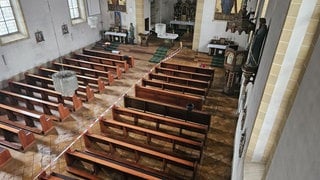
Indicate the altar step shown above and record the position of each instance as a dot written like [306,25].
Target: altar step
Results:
[217,61]
[160,54]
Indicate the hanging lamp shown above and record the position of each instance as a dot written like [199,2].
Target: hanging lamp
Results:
[64,81]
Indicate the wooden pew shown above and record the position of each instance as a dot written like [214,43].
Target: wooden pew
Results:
[16,138]
[122,64]
[208,71]
[95,83]
[173,98]
[199,131]
[117,73]
[5,156]
[104,54]
[29,119]
[74,159]
[165,110]
[175,87]
[184,74]
[31,102]
[54,176]
[114,144]
[85,92]
[179,80]
[152,134]
[106,75]
[45,94]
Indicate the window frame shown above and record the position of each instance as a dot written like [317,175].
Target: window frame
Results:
[5,21]
[82,13]
[22,32]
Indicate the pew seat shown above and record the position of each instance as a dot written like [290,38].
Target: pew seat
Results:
[178,144]
[167,110]
[164,160]
[208,71]
[32,90]
[122,64]
[116,72]
[84,92]
[174,98]
[75,159]
[30,102]
[179,80]
[128,59]
[37,123]
[16,138]
[175,87]
[54,176]
[95,83]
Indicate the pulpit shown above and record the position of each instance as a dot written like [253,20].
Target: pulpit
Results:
[233,62]
[217,48]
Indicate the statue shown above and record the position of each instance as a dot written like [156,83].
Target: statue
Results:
[131,34]
[257,42]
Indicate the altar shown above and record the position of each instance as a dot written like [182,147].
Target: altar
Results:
[218,47]
[188,24]
[116,36]
[168,38]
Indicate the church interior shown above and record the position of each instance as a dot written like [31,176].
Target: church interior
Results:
[159,89]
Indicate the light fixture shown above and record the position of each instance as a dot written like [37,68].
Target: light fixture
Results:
[64,81]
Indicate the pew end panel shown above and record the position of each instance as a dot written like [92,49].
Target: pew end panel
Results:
[5,156]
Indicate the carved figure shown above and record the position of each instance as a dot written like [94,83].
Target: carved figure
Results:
[131,34]
[257,43]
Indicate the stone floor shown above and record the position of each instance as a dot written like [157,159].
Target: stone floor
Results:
[48,150]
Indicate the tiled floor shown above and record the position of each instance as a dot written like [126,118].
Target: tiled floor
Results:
[47,153]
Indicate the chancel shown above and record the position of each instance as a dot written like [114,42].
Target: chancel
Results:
[168,89]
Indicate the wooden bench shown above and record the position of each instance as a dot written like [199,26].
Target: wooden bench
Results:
[30,102]
[128,59]
[16,138]
[5,156]
[117,73]
[150,134]
[173,98]
[75,158]
[175,87]
[85,92]
[184,74]
[122,64]
[29,119]
[180,80]
[96,83]
[163,109]
[30,90]
[54,176]
[208,71]
[140,152]
[196,131]
[106,75]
